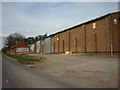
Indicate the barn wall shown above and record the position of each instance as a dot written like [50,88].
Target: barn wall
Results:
[47,45]
[54,43]
[115,24]
[42,46]
[13,51]
[22,50]
[97,39]
[38,47]
[32,48]
[64,41]
[77,39]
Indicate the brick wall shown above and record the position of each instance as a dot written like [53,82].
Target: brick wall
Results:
[114,24]
[77,39]
[54,43]
[64,41]
[97,39]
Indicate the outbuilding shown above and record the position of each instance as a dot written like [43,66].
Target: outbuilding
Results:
[47,42]
[99,35]
[32,48]
[42,46]
[38,46]
[19,48]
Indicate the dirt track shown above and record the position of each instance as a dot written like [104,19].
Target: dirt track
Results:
[85,71]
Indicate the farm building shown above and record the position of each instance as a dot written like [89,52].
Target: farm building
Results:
[38,47]
[32,48]
[19,48]
[47,44]
[42,46]
[98,35]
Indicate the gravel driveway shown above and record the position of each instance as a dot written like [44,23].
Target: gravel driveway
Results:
[83,70]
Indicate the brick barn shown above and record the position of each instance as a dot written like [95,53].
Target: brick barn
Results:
[19,48]
[99,35]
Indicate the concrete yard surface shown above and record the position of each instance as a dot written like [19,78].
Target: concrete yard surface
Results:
[83,70]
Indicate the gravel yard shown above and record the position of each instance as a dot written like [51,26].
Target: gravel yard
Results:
[82,70]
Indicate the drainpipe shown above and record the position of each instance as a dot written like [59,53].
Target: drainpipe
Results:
[69,41]
[85,37]
[58,39]
[110,28]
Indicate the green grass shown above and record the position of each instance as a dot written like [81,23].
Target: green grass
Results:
[22,59]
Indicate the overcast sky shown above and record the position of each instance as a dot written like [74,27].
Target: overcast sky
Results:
[35,18]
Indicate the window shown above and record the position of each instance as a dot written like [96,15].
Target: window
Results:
[94,25]
[115,21]
[57,39]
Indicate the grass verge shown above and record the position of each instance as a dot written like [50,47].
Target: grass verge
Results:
[23,59]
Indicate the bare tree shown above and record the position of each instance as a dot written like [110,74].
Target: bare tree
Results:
[12,39]
[30,40]
[41,37]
